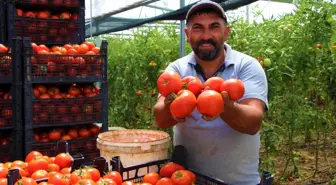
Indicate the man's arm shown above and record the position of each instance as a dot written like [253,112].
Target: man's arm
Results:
[162,114]
[247,115]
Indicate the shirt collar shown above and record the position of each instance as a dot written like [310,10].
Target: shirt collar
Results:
[227,61]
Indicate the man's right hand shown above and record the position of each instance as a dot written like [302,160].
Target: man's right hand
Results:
[168,100]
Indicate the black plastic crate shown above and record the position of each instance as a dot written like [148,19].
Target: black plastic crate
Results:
[64,111]
[52,68]
[10,63]
[10,145]
[43,28]
[52,3]
[11,107]
[84,145]
[137,172]
[2,23]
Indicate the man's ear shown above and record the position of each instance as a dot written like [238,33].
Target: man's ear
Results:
[227,33]
[186,31]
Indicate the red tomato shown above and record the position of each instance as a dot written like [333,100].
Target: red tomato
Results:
[63,160]
[78,175]
[37,164]
[127,183]
[169,82]
[193,84]
[3,49]
[58,178]
[84,133]
[214,83]
[44,96]
[151,178]
[210,103]
[3,181]
[184,104]
[182,177]
[95,174]
[39,174]
[54,135]
[36,93]
[53,167]
[32,155]
[41,88]
[164,181]
[74,91]
[168,169]
[114,175]
[89,44]
[3,172]
[73,133]
[83,48]
[95,129]
[85,182]
[26,181]
[234,87]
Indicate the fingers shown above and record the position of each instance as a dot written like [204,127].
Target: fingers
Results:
[209,118]
[180,120]
[169,99]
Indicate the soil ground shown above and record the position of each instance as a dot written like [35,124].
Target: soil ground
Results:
[306,163]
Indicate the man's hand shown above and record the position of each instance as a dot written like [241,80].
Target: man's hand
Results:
[228,104]
[168,100]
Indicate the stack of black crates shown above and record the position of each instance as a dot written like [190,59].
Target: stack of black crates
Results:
[35,121]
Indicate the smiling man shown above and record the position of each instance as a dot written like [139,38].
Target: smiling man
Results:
[227,146]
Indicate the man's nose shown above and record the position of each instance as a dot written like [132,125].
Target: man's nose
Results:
[207,34]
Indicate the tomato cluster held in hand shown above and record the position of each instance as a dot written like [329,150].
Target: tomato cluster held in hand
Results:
[185,91]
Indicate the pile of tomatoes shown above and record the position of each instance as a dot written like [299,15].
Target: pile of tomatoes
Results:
[42,91]
[46,15]
[189,93]
[68,60]
[66,133]
[170,174]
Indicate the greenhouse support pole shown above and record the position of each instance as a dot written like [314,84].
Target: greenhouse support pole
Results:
[91,20]
[182,36]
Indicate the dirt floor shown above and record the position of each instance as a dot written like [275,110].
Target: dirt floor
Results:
[305,160]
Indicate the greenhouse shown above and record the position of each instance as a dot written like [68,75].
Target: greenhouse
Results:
[167,92]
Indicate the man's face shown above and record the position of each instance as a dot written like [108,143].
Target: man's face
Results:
[206,34]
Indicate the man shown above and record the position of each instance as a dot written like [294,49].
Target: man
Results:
[226,147]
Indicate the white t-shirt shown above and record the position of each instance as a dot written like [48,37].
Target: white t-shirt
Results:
[214,148]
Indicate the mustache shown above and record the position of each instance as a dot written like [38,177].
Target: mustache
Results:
[210,41]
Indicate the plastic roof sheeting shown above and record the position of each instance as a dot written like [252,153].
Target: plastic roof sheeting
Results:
[108,17]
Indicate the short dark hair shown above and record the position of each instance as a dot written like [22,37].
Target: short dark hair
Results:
[207,10]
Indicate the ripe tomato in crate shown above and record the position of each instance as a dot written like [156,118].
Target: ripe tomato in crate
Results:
[82,62]
[45,24]
[10,62]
